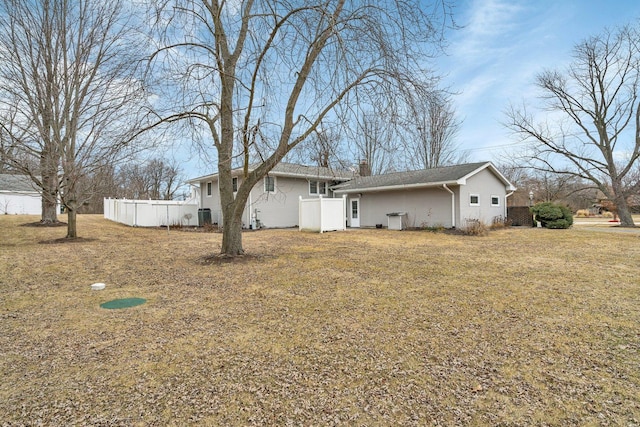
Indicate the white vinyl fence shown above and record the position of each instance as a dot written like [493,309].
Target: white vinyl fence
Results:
[322,214]
[151,213]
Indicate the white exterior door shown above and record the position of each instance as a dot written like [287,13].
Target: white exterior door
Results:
[354,213]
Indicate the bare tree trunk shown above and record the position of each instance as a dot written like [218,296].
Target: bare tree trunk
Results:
[232,233]
[71,224]
[49,209]
[624,214]
[49,187]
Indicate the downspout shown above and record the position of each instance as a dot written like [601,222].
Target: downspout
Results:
[505,204]
[453,205]
[249,224]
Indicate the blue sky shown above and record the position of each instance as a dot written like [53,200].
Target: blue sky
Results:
[493,60]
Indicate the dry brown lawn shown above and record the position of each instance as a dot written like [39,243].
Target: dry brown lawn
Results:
[368,327]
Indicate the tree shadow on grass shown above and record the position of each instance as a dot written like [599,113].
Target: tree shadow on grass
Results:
[44,224]
[67,240]
[218,259]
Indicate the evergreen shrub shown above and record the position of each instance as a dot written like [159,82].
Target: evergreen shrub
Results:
[552,215]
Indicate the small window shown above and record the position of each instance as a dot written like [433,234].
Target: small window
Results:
[269,184]
[317,187]
[322,187]
[234,182]
[474,200]
[209,189]
[495,201]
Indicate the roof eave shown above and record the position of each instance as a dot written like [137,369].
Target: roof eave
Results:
[274,173]
[396,187]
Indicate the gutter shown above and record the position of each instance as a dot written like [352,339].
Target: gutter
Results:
[396,187]
[453,205]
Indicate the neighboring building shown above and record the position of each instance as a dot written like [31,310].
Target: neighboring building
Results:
[18,196]
[273,202]
[447,196]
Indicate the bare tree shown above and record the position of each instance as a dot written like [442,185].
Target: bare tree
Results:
[278,68]
[376,141]
[432,141]
[158,179]
[70,98]
[323,148]
[594,130]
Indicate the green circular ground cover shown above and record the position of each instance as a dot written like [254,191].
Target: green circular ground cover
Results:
[123,303]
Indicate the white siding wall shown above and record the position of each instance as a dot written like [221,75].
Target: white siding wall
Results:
[211,202]
[20,204]
[275,210]
[279,209]
[424,207]
[485,184]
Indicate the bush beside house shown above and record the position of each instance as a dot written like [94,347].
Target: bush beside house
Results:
[552,215]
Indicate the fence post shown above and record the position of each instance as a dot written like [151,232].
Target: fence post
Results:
[321,214]
[344,211]
[299,213]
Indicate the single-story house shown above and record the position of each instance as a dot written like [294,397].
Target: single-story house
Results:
[273,203]
[446,196]
[18,196]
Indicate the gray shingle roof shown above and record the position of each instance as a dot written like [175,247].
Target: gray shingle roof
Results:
[292,169]
[17,183]
[442,175]
[310,171]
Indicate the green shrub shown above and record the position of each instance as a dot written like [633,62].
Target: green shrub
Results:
[552,215]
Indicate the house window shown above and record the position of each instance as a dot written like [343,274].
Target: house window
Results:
[474,200]
[234,182]
[317,187]
[495,201]
[209,189]
[269,184]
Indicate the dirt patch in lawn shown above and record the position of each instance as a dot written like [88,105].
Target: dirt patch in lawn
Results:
[372,327]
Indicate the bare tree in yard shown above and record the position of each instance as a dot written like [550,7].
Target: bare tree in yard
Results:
[433,140]
[281,67]
[69,96]
[321,147]
[375,141]
[158,179]
[594,133]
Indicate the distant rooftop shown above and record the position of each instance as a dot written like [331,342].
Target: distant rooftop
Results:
[19,183]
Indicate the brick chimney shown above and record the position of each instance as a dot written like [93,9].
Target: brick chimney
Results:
[365,169]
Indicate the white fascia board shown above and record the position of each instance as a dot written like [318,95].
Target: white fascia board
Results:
[397,187]
[239,171]
[200,179]
[505,181]
[308,176]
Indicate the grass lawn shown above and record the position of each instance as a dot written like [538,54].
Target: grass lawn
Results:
[367,327]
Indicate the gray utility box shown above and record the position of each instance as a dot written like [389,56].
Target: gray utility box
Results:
[204,216]
[396,220]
